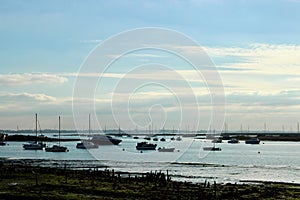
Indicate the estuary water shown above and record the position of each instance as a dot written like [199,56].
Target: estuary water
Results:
[268,161]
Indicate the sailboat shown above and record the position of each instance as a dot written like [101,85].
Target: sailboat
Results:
[2,139]
[57,148]
[87,144]
[105,140]
[34,145]
[214,148]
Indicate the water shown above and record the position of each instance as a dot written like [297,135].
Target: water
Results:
[268,161]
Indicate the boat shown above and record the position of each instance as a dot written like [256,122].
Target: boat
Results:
[233,141]
[252,141]
[86,145]
[212,149]
[217,140]
[166,149]
[2,138]
[147,138]
[105,140]
[57,148]
[34,145]
[102,139]
[162,139]
[2,143]
[145,146]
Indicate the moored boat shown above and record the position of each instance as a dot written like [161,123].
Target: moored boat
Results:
[2,143]
[233,141]
[217,140]
[252,141]
[212,149]
[34,145]
[57,148]
[86,145]
[147,138]
[164,149]
[2,139]
[105,140]
[145,146]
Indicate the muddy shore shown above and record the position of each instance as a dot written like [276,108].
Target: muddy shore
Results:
[22,180]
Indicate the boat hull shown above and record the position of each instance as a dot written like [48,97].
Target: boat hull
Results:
[33,146]
[252,141]
[166,149]
[86,145]
[105,140]
[212,149]
[56,148]
[145,146]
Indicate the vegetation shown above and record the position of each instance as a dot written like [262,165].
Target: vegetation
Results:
[21,181]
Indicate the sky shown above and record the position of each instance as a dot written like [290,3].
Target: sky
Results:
[254,46]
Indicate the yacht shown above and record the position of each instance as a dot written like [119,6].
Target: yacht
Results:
[233,141]
[57,148]
[145,146]
[86,145]
[252,141]
[164,149]
[34,145]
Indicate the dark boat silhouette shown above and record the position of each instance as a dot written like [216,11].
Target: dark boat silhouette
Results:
[212,149]
[145,146]
[233,141]
[57,148]
[105,140]
[164,149]
[34,145]
[86,145]
[252,141]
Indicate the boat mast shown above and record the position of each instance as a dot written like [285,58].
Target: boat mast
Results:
[58,130]
[89,124]
[36,126]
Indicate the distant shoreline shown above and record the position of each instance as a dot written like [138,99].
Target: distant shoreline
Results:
[262,137]
[26,138]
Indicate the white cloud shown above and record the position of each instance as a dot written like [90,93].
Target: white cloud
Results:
[31,78]
[25,98]
[266,59]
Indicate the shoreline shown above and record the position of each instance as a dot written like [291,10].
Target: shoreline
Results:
[242,137]
[20,179]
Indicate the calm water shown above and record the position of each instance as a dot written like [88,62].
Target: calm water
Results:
[268,161]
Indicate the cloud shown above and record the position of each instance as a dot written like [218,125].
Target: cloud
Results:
[25,98]
[31,78]
[284,99]
[281,59]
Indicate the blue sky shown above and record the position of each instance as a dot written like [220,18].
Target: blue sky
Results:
[254,44]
